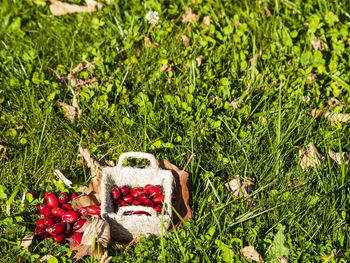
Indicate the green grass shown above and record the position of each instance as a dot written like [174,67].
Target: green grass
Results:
[136,107]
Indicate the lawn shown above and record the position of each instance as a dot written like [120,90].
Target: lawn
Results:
[233,82]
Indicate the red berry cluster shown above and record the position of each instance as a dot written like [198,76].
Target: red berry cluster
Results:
[58,220]
[149,196]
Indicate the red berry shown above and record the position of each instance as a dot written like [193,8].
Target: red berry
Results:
[40,223]
[46,193]
[60,238]
[158,199]
[93,210]
[137,203]
[119,203]
[82,211]
[70,217]
[69,228]
[41,207]
[57,211]
[41,233]
[115,193]
[79,224]
[148,203]
[50,220]
[51,200]
[124,190]
[56,228]
[63,198]
[136,191]
[141,213]
[145,188]
[73,196]
[142,196]
[158,208]
[76,238]
[45,212]
[154,190]
[67,207]
[128,198]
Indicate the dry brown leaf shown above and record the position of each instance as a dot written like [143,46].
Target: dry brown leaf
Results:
[332,102]
[166,68]
[71,112]
[185,40]
[267,12]
[75,82]
[3,151]
[77,69]
[85,200]
[318,44]
[238,188]
[282,259]
[311,78]
[310,158]
[90,66]
[27,241]
[206,21]
[97,235]
[59,8]
[332,117]
[250,252]
[62,178]
[339,158]
[148,43]
[189,16]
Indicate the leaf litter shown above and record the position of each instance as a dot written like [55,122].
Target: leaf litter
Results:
[310,158]
[249,252]
[71,112]
[189,16]
[59,8]
[238,188]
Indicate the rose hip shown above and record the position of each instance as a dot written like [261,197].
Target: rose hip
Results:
[69,228]
[158,208]
[40,223]
[67,207]
[79,224]
[154,190]
[56,228]
[158,199]
[128,199]
[137,203]
[73,196]
[115,193]
[57,211]
[93,210]
[76,238]
[119,203]
[41,207]
[60,238]
[41,233]
[148,202]
[51,200]
[63,198]
[50,220]
[142,196]
[70,217]
[82,211]
[124,190]
[45,212]
[136,191]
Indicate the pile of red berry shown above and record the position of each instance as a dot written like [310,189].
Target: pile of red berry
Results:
[58,220]
[149,196]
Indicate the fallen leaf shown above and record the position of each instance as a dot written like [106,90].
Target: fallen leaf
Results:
[332,102]
[27,241]
[59,8]
[189,16]
[185,40]
[318,44]
[96,236]
[3,150]
[166,68]
[250,252]
[90,66]
[283,259]
[310,158]
[62,178]
[74,82]
[148,43]
[238,189]
[85,199]
[71,112]
[267,12]
[311,78]
[77,69]
[339,158]
[199,61]
[332,117]
[206,21]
